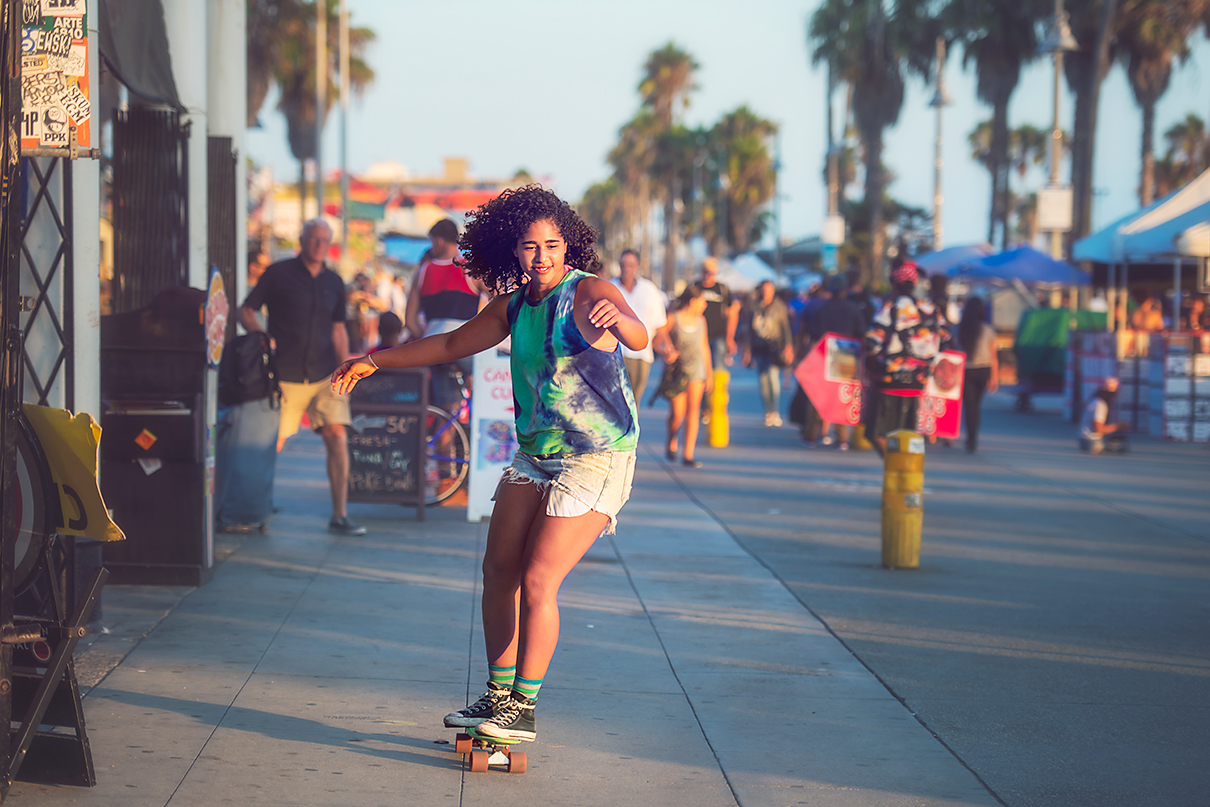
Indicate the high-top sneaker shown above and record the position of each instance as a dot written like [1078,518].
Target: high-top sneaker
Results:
[513,720]
[481,709]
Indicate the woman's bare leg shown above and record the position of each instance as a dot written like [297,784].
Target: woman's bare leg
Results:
[676,416]
[517,506]
[556,545]
[693,417]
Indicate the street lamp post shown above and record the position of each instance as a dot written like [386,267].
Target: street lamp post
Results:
[321,98]
[1054,201]
[940,100]
[1058,39]
[344,137]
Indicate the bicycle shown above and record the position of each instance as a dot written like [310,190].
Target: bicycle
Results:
[448,448]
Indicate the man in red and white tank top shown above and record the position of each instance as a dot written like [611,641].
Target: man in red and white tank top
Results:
[442,298]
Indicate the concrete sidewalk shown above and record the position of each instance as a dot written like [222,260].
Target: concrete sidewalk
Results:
[314,670]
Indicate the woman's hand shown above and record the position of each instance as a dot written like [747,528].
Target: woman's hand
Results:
[348,374]
[604,314]
[671,355]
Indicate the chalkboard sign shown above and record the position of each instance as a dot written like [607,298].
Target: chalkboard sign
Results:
[387,440]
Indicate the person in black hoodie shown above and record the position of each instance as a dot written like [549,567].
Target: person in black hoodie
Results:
[837,315]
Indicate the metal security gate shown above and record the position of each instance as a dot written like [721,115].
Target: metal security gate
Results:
[10,340]
[151,205]
[47,273]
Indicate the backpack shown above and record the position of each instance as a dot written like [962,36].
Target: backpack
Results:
[248,371]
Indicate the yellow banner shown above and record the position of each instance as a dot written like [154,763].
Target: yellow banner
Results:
[70,445]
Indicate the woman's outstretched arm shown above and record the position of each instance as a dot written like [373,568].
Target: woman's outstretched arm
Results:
[487,329]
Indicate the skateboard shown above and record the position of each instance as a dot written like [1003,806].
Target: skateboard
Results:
[486,751]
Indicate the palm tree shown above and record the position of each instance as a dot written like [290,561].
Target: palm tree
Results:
[999,36]
[665,88]
[631,160]
[1188,149]
[1151,35]
[749,170]
[862,45]
[1093,24]
[604,208]
[286,36]
[980,140]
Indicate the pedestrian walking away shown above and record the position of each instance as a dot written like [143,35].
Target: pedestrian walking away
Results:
[901,344]
[836,315]
[768,346]
[722,314]
[443,298]
[306,321]
[650,305]
[686,347]
[978,340]
[577,428]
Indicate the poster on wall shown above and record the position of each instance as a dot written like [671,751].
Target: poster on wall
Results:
[493,434]
[54,73]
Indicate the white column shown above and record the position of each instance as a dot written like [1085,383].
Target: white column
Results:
[227,89]
[86,248]
[185,21]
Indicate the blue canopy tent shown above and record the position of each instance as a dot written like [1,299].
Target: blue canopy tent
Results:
[1026,265]
[945,260]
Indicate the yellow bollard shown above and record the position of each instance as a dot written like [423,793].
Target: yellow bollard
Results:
[720,424]
[858,441]
[902,500]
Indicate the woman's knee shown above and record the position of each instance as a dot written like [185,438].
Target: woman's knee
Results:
[501,573]
[540,586]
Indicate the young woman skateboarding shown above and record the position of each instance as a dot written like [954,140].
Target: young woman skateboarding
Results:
[576,424]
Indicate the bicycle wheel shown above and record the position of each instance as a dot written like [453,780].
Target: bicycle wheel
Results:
[447,456]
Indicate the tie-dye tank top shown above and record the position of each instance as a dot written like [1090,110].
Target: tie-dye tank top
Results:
[568,397]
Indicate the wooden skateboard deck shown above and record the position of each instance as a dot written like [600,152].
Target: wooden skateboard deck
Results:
[488,751]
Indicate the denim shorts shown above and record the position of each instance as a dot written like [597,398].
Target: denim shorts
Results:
[577,483]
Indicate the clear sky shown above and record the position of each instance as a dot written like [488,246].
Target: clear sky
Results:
[545,84]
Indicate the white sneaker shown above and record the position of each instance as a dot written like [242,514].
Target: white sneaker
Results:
[773,420]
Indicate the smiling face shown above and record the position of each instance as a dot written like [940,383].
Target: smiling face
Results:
[541,251]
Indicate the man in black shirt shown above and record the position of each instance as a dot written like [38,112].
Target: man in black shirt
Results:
[722,314]
[306,321]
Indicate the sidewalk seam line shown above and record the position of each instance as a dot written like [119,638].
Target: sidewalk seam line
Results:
[319,568]
[688,492]
[672,667]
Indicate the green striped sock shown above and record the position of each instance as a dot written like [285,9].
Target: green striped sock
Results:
[527,687]
[502,676]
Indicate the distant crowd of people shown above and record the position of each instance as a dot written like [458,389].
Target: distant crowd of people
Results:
[706,328]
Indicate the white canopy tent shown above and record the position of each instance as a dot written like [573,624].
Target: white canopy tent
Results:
[745,272]
[1195,241]
[1152,235]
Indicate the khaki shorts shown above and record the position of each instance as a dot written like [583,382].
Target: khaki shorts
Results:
[323,406]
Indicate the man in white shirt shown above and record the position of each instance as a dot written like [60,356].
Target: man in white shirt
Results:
[1097,434]
[650,306]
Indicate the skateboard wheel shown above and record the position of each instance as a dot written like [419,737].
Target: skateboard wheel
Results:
[463,743]
[516,762]
[479,760]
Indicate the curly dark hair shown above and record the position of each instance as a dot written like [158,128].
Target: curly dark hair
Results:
[492,231]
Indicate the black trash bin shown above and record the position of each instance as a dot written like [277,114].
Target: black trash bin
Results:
[157,468]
